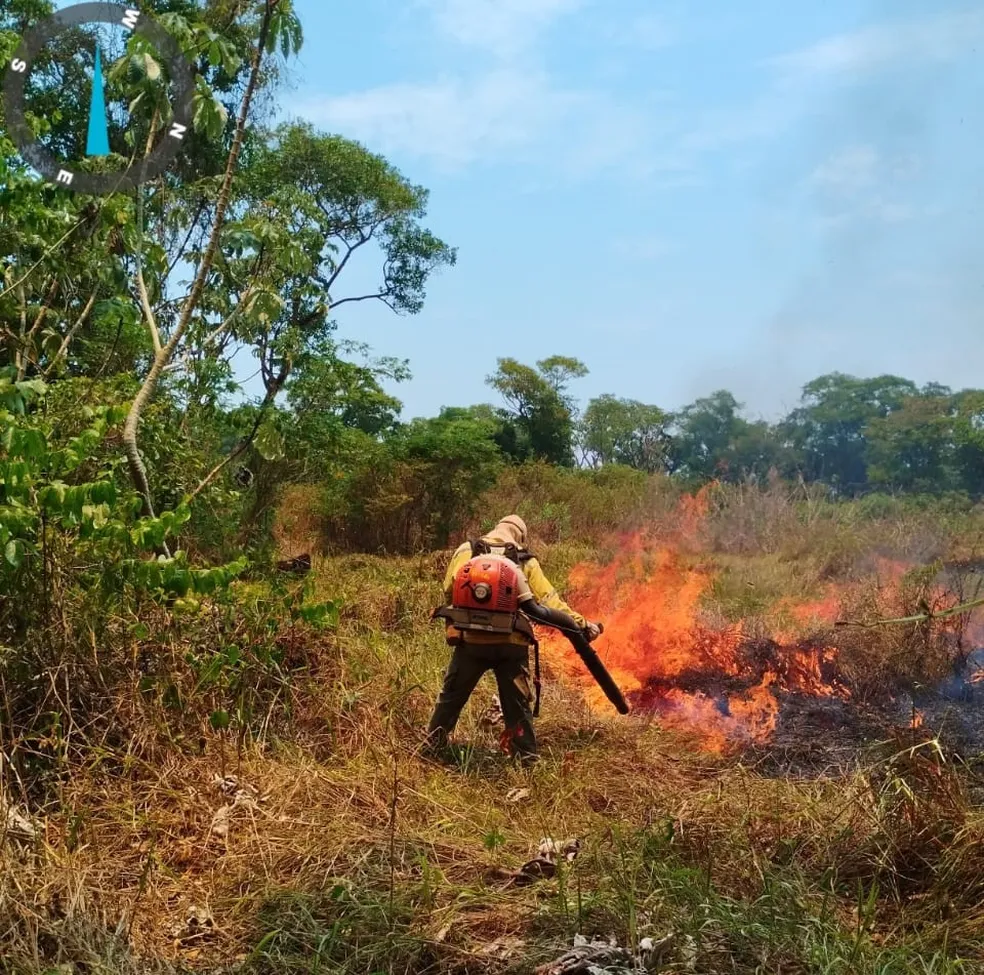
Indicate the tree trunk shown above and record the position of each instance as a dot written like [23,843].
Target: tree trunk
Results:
[138,470]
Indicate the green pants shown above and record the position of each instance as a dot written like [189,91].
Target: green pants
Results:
[510,664]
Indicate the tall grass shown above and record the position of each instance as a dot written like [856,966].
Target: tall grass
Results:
[322,843]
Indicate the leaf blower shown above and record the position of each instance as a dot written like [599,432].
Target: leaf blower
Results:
[582,647]
[491,595]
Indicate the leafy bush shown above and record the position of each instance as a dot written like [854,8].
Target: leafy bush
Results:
[411,492]
[583,505]
[94,604]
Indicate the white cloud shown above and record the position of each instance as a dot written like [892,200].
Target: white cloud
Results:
[649,32]
[859,183]
[511,111]
[503,27]
[516,111]
[454,122]
[846,171]
[450,121]
[871,48]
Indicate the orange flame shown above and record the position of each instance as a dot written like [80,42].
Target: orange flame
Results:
[713,682]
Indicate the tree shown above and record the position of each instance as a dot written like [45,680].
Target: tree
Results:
[968,440]
[64,255]
[329,394]
[308,207]
[828,429]
[759,450]
[455,461]
[411,489]
[538,405]
[503,430]
[625,431]
[705,434]
[911,448]
[164,350]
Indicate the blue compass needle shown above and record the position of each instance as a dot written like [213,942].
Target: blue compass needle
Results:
[98,141]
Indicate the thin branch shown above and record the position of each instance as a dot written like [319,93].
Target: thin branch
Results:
[147,309]
[63,348]
[212,336]
[351,249]
[920,618]
[184,243]
[45,308]
[382,296]
[268,400]
[233,315]
[61,240]
[19,351]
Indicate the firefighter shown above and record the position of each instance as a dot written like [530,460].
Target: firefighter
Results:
[505,653]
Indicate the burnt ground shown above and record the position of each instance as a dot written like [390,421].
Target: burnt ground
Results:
[829,736]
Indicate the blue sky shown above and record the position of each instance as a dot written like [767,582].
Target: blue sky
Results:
[686,196]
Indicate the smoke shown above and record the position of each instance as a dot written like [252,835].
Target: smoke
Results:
[885,182]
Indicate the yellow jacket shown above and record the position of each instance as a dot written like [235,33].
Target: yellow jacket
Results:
[543,590]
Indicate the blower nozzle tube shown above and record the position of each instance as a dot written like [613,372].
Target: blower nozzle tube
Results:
[567,626]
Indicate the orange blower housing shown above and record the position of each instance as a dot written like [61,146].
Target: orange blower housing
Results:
[485,598]
[486,584]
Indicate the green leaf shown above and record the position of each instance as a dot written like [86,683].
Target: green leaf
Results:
[14,553]
[144,65]
[269,443]
[322,616]
[209,116]
[219,720]
[266,306]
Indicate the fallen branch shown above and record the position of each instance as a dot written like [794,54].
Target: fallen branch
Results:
[920,618]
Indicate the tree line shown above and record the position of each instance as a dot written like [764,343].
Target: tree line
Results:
[854,435]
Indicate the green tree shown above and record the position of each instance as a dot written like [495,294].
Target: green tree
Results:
[412,489]
[504,433]
[968,440]
[758,449]
[912,448]
[705,433]
[308,208]
[63,256]
[828,430]
[539,406]
[625,431]
[455,460]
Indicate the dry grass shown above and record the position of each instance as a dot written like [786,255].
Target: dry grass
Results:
[347,853]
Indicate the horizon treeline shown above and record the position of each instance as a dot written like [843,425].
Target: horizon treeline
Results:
[855,435]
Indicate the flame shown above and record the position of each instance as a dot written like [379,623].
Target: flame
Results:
[824,610]
[714,682]
[917,719]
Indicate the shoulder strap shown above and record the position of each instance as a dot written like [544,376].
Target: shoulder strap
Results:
[518,555]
